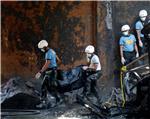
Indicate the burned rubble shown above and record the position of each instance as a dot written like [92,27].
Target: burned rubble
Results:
[20,94]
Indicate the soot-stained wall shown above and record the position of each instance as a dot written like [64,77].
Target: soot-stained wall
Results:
[69,27]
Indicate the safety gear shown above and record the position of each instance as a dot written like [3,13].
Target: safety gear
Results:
[42,50]
[142,13]
[143,18]
[42,44]
[122,60]
[140,43]
[88,55]
[85,67]
[137,55]
[125,28]
[125,33]
[89,49]
[38,75]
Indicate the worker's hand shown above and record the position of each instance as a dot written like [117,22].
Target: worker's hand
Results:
[85,67]
[137,55]
[122,60]
[38,75]
[140,43]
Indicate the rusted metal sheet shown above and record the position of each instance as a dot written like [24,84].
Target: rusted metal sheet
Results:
[104,41]
[67,26]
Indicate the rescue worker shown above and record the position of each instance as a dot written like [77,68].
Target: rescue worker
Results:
[92,72]
[139,26]
[49,70]
[128,47]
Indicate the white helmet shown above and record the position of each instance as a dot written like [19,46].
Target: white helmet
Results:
[142,13]
[125,28]
[89,49]
[42,44]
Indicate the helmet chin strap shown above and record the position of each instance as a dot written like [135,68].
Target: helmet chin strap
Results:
[143,21]
[42,50]
[89,58]
[89,55]
[45,49]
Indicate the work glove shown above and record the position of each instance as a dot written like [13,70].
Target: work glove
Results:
[140,43]
[38,75]
[122,60]
[85,67]
[137,55]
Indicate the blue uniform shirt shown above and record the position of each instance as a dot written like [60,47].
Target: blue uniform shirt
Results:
[139,26]
[51,55]
[128,42]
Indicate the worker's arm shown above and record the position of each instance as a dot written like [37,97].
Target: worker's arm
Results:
[136,50]
[121,54]
[121,50]
[139,38]
[58,59]
[94,67]
[45,66]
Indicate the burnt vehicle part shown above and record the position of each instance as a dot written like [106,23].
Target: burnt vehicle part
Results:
[136,86]
[136,89]
[131,82]
[133,76]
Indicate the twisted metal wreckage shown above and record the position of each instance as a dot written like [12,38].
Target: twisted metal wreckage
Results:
[131,100]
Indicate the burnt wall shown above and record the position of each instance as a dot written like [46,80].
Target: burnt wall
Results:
[105,41]
[67,26]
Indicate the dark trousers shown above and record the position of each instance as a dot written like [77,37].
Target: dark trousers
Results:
[90,86]
[143,49]
[129,56]
[50,84]
[149,95]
